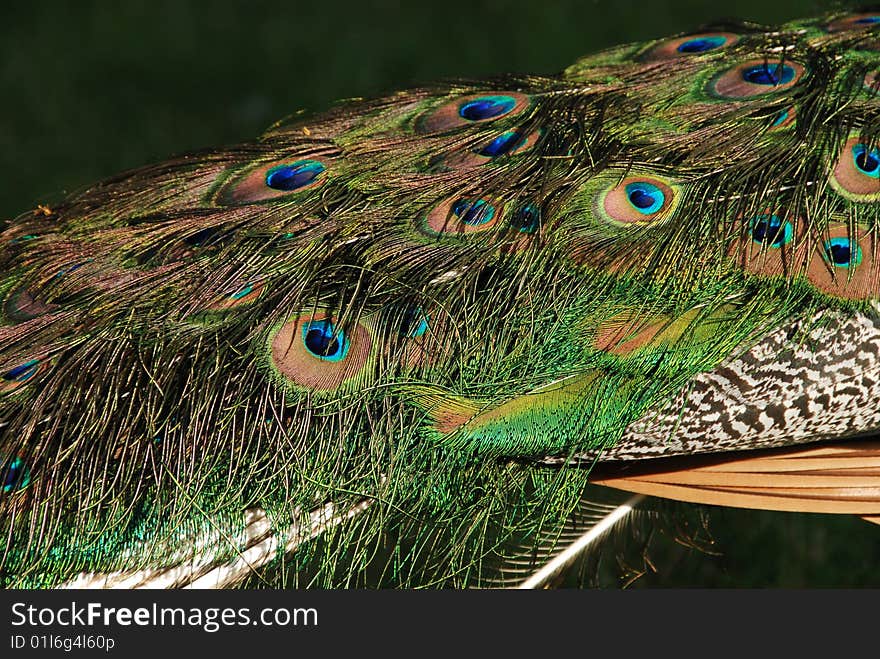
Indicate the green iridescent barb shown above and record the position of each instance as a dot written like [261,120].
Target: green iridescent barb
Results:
[386,345]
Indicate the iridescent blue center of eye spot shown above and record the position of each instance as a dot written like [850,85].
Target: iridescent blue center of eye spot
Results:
[527,219]
[71,268]
[242,293]
[503,144]
[645,197]
[414,322]
[780,118]
[701,44]
[324,341]
[294,175]
[14,475]
[865,20]
[486,107]
[767,74]
[842,253]
[23,372]
[770,230]
[473,213]
[867,161]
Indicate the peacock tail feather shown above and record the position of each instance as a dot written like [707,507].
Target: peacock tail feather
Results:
[384,345]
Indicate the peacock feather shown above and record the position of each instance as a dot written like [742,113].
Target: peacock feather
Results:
[394,344]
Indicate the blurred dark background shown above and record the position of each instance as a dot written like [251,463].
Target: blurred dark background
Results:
[91,88]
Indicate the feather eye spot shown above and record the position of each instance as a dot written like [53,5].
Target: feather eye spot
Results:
[763,74]
[766,246]
[14,475]
[473,213]
[274,181]
[293,176]
[702,44]
[856,175]
[324,341]
[486,107]
[314,353]
[692,45]
[504,144]
[72,267]
[866,160]
[645,197]
[861,21]
[460,215]
[246,294]
[842,253]
[507,144]
[783,119]
[841,267]
[770,230]
[756,78]
[527,219]
[245,291]
[418,331]
[414,322]
[638,200]
[473,109]
[21,375]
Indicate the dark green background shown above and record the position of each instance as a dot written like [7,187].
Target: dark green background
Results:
[89,89]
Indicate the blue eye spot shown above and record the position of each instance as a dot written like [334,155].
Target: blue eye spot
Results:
[293,176]
[324,341]
[503,144]
[486,107]
[527,219]
[71,268]
[781,117]
[414,322]
[645,197]
[867,161]
[23,372]
[14,475]
[840,253]
[765,74]
[473,213]
[867,20]
[701,44]
[242,293]
[770,230]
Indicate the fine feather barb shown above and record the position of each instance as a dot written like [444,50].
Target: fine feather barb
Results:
[451,302]
[833,479]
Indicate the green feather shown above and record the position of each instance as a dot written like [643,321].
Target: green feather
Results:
[373,335]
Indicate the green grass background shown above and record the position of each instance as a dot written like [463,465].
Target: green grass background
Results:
[91,88]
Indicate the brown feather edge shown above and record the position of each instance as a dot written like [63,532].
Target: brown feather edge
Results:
[841,478]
